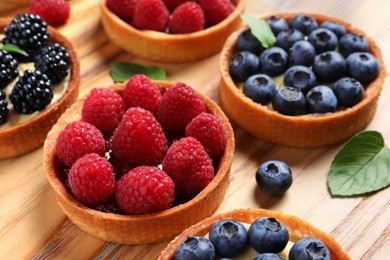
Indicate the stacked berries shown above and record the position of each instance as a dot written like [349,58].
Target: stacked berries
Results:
[161,145]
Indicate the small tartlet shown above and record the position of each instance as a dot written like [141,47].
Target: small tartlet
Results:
[163,47]
[140,229]
[25,137]
[299,131]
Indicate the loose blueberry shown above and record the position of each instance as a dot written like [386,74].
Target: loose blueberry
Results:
[196,248]
[289,101]
[309,249]
[336,28]
[274,177]
[277,24]
[248,42]
[274,61]
[351,43]
[321,99]
[300,77]
[348,91]
[302,53]
[329,66]
[323,40]
[362,66]
[243,65]
[304,23]
[260,88]
[267,235]
[268,256]
[286,38]
[229,238]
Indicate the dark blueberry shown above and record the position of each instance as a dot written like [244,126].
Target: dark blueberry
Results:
[229,238]
[289,101]
[304,23]
[362,66]
[329,66]
[323,40]
[287,38]
[248,42]
[260,88]
[336,28]
[274,177]
[277,24]
[351,43]
[3,107]
[300,77]
[274,61]
[321,99]
[302,53]
[309,249]
[243,65]
[348,91]
[267,235]
[196,248]
[8,68]
[268,256]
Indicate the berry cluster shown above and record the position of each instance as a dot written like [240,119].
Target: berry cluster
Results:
[324,67]
[156,146]
[172,16]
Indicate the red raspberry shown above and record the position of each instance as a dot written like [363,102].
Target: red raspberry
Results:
[140,91]
[151,15]
[189,166]
[172,4]
[51,11]
[216,10]
[104,109]
[144,190]
[179,105]
[91,180]
[187,18]
[139,138]
[208,130]
[124,9]
[78,139]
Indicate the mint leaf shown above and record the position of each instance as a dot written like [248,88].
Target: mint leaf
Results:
[361,166]
[13,48]
[123,71]
[260,29]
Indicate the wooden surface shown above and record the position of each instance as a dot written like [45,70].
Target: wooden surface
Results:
[33,226]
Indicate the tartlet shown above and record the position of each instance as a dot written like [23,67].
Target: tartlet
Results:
[296,227]
[140,229]
[27,136]
[163,47]
[299,131]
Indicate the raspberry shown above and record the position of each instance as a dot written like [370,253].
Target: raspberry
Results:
[3,107]
[187,18]
[208,130]
[150,15]
[51,11]
[179,105]
[91,180]
[216,10]
[104,108]
[124,9]
[8,68]
[78,139]
[144,190]
[189,166]
[172,4]
[140,91]
[139,138]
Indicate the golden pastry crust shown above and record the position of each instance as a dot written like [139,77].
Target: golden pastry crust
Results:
[31,134]
[139,229]
[294,131]
[165,47]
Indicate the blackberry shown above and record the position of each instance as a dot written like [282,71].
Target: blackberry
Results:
[28,32]
[32,92]
[3,107]
[8,68]
[54,61]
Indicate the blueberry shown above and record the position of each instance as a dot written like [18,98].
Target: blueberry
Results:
[229,238]
[362,66]
[336,28]
[309,249]
[274,177]
[323,40]
[277,24]
[243,65]
[267,235]
[348,91]
[289,101]
[286,38]
[351,43]
[302,53]
[260,88]
[274,61]
[321,99]
[268,256]
[304,23]
[195,248]
[329,66]
[300,77]
[248,42]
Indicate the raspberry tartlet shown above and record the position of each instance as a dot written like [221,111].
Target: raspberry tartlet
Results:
[129,221]
[302,131]
[164,47]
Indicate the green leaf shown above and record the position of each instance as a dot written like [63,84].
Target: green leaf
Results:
[13,48]
[361,166]
[261,30]
[123,71]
